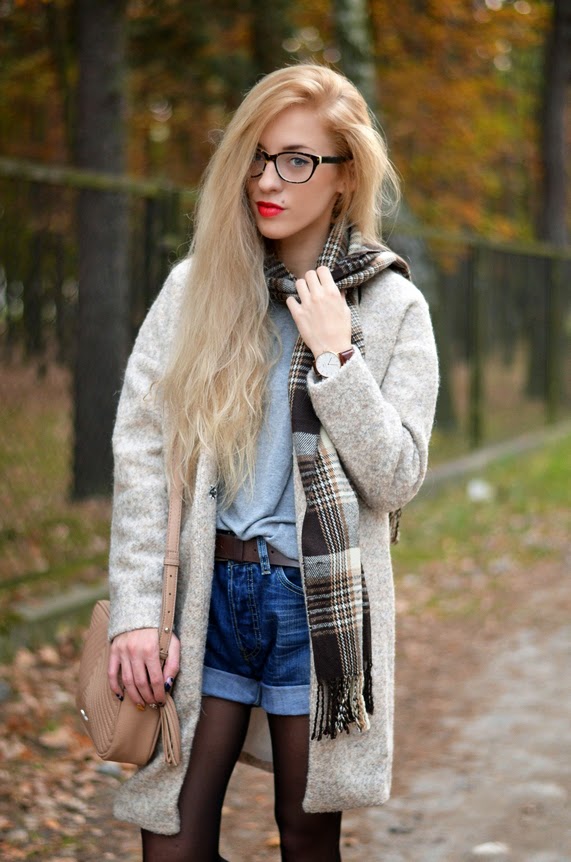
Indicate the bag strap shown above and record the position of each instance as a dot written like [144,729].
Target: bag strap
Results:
[171,566]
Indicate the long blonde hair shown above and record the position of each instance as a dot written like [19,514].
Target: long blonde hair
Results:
[215,383]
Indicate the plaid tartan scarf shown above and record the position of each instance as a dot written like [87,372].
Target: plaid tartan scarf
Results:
[336,592]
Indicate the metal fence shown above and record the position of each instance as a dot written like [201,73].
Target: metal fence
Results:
[38,253]
[502,314]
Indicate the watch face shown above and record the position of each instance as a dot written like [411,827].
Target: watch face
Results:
[327,364]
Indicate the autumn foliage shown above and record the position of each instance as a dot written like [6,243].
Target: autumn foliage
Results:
[458,86]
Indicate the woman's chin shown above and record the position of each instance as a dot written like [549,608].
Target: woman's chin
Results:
[272,230]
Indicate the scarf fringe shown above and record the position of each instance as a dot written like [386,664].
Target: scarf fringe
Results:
[394,526]
[342,702]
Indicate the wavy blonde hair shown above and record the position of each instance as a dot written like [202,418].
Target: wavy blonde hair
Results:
[214,386]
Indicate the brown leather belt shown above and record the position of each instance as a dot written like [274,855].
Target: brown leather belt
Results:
[230,547]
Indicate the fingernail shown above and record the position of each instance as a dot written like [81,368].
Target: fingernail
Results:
[169,683]
[140,707]
[120,696]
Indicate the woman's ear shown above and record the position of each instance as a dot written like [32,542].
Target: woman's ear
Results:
[349,177]
[346,183]
[345,189]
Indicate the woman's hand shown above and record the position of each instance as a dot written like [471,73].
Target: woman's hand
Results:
[136,656]
[322,315]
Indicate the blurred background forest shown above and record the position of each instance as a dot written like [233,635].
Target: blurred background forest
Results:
[109,111]
[459,84]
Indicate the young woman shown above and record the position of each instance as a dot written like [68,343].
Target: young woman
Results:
[290,364]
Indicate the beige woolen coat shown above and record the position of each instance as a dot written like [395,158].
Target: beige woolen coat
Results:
[378,411]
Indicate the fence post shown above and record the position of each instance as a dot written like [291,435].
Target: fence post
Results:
[161,239]
[33,299]
[151,266]
[554,313]
[170,227]
[475,348]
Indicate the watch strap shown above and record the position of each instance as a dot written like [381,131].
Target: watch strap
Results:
[346,355]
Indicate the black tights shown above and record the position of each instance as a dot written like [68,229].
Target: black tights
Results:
[219,737]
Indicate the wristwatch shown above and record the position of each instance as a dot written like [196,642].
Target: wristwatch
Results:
[327,363]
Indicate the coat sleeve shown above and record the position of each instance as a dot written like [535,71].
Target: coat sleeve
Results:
[140,497]
[381,429]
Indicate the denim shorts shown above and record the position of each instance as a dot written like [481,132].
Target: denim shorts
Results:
[257,645]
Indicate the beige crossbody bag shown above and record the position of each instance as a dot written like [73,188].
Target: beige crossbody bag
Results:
[120,731]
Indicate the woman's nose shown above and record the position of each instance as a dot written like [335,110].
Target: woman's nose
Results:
[270,179]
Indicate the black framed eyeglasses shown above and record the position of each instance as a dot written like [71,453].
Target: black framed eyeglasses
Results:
[292,167]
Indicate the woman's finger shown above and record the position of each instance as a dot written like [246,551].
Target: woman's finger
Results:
[326,279]
[312,280]
[130,687]
[141,681]
[113,674]
[302,289]
[172,664]
[155,677]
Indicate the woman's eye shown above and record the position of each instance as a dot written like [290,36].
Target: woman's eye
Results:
[298,162]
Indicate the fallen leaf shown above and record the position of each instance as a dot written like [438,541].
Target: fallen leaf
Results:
[273,841]
[11,749]
[61,738]
[49,655]
[24,659]
[350,841]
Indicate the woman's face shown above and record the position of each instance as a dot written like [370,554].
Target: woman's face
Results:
[296,213]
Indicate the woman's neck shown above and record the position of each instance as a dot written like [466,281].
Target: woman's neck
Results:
[300,253]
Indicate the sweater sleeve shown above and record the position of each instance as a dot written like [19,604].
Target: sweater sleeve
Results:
[381,429]
[140,496]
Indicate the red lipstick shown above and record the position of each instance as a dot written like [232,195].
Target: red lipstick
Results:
[268,210]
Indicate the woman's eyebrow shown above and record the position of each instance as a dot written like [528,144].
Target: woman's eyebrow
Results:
[288,148]
[297,146]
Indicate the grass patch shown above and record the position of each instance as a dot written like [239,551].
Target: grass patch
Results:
[47,542]
[457,555]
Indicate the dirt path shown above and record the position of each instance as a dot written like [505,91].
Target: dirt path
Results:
[502,788]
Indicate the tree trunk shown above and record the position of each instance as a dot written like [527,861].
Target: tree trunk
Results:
[355,44]
[553,214]
[58,20]
[270,26]
[103,340]
[354,41]
[552,217]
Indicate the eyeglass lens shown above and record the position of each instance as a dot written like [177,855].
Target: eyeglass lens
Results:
[292,167]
